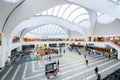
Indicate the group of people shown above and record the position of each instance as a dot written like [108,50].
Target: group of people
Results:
[96,69]
[98,74]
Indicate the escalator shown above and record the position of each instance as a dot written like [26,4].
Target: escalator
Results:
[114,46]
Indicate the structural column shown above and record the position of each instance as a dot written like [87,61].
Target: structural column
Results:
[118,54]
[57,44]
[47,44]
[86,40]
[92,38]
[21,42]
[4,50]
[9,48]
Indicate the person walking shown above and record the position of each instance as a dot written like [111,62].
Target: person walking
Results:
[96,70]
[60,50]
[58,68]
[109,56]
[49,57]
[85,56]
[99,76]
[89,52]
[86,62]
[64,50]
[58,62]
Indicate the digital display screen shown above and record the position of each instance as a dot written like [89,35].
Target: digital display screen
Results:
[50,67]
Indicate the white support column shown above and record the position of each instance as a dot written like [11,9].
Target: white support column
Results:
[9,48]
[35,46]
[69,37]
[57,44]
[4,50]
[92,38]
[47,44]
[65,43]
[21,42]
[118,54]
[86,40]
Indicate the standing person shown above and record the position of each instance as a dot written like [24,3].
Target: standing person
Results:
[89,52]
[96,70]
[58,62]
[116,56]
[99,76]
[58,68]
[86,62]
[109,56]
[64,50]
[49,57]
[60,49]
[85,56]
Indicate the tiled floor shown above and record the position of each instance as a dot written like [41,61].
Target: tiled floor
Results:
[72,67]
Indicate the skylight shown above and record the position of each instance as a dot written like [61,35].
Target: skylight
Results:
[70,12]
[50,29]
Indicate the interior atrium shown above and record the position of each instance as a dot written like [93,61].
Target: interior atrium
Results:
[59,39]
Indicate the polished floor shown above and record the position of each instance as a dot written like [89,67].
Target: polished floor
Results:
[72,67]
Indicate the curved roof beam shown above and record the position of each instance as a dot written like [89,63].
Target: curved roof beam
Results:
[83,20]
[11,14]
[20,15]
[59,10]
[72,12]
[79,16]
[65,10]
[31,28]
[42,20]
[57,21]
[43,36]
[6,9]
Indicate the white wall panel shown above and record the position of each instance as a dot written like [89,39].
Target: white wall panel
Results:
[107,29]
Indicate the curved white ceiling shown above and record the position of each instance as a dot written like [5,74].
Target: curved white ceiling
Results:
[24,11]
[11,15]
[36,22]
[104,19]
[70,12]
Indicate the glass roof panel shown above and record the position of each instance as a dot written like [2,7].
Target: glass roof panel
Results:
[80,18]
[69,10]
[63,8]
[56,10]
[44,12]
[50,11]
[76,13]
[50,29]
